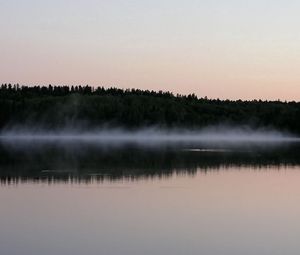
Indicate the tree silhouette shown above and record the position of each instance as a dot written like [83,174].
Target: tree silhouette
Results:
[57,106]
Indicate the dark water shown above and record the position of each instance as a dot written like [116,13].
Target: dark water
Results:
[83,198]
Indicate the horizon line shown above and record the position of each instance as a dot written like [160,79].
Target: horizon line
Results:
[131,89]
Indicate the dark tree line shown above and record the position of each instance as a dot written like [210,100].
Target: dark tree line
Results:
[55,107]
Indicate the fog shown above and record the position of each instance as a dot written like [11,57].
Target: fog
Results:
[213,135]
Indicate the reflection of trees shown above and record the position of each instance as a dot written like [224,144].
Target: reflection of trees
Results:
[82,163]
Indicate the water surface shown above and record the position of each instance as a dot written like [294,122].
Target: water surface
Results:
[81,198]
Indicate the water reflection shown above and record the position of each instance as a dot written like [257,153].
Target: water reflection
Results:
[86,163]
[141,200]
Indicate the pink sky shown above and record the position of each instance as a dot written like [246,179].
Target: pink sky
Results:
[210,48]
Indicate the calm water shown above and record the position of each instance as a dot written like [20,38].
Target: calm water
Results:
[168,199]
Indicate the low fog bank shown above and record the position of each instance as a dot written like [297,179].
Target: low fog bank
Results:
[216,134]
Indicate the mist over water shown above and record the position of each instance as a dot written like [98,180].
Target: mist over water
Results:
[151,136]
[192,192]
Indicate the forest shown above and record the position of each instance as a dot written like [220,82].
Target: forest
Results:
[56,107]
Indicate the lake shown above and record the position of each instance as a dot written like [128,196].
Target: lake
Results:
[126,199]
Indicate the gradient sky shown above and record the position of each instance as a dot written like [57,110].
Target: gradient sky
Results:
[220,49]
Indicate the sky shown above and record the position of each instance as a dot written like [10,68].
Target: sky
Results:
[233,49]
